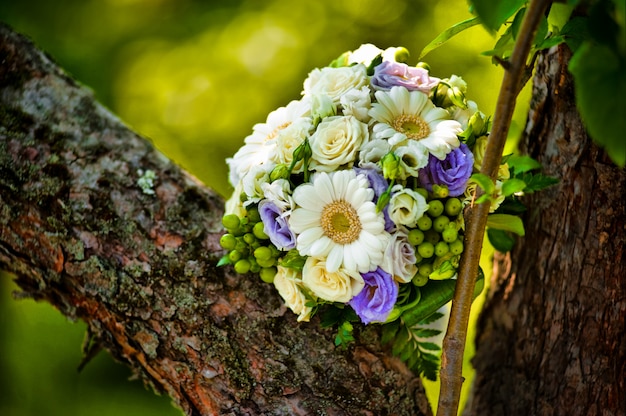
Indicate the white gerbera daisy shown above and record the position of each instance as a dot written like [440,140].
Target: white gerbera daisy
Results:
[336,219]
[408,118]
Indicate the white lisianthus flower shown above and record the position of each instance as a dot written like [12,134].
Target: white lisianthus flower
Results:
[253,182]
[400,257]
[289,138]
[336,142]
[260,146]
[412,158]
[373,151]
[337,286]
[409,118]
[357,103]
[287,281]
[322,106]
[334,82]
[279,192]
[406,206]
[336,219]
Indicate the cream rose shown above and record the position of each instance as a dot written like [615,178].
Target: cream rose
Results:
[339,286]
[253,182]
[289,138]
[406,206]
[334,82]
[336,142]
[286,282]
[400,257]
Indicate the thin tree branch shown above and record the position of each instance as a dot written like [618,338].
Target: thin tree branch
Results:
[476,217]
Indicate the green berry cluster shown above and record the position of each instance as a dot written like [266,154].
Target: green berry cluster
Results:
[437,239]
[249,248]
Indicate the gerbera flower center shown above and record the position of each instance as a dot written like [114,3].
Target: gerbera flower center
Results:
[276,130]
[414,127]
[340,222]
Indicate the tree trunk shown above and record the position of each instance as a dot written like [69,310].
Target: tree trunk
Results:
[83,228]
[552,335]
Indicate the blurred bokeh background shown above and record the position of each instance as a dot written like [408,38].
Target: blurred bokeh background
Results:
[194,76]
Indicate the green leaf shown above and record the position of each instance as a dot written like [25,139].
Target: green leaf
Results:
[500,240]
[430,319]
[536,181]
[484,182]
[522,163]
[506,222]
[600,83]
[430,346]
[447,34]
[224,261]
[511,206]
[427,332]
[513,185]
[575,32]
[494,14]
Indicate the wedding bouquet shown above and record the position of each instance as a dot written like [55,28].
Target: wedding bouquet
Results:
[350,200]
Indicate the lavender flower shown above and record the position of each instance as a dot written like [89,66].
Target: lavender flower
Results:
[453,172]
[275,226]
[376,300]
[390,74]
[379,184]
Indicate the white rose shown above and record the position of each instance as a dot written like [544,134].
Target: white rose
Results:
[406,206]
[286,282]
[289,138]
[400,257]
[357,103]
[279,192]
[335,82]
[253,181]
[336,142]
[339,286]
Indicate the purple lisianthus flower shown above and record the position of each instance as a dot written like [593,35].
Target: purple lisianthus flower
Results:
[379,185]
[275,226]
[453,171]
[390,74]
[376,300]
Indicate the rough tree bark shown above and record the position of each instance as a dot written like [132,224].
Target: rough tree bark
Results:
[78,231]
[552,336]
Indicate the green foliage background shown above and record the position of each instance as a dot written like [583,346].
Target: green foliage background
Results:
[194,76]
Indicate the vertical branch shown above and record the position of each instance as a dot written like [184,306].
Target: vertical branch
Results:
[476,217]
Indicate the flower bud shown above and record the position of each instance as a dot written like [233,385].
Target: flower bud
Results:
[280,171]
[478,125]
[322,106]
[391,166]
[423,65]
[401,54]
[440,191]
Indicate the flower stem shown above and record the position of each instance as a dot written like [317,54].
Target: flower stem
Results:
[476,216]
